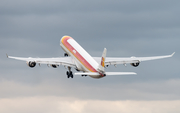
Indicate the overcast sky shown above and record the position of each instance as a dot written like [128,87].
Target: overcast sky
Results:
[33,28]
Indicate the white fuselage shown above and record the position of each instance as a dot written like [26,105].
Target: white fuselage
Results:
[82,59]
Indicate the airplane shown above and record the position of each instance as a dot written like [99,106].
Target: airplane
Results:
[76,57]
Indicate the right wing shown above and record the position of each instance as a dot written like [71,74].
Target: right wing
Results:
[66,61]
[114,60]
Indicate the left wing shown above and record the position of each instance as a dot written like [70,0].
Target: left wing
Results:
[114,61]
[66,61]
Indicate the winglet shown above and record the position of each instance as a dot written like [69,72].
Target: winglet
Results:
[172,54]
[7,55]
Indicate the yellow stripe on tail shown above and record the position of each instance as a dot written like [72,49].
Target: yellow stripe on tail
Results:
[102,65]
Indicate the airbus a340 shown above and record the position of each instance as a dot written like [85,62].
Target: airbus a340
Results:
[78,58]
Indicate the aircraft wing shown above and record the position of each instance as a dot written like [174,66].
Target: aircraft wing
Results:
[66,61]
[114,60]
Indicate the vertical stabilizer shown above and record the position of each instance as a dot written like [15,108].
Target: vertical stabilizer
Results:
[102,64]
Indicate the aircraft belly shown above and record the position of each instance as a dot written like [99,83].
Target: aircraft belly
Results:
[79,65]
[83,56]
[64,48]
[96,76]
[77,52]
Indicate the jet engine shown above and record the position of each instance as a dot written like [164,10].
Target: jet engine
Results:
[135,64]
[54,66]
[31,64]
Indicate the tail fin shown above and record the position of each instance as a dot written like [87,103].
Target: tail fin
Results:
[101,66]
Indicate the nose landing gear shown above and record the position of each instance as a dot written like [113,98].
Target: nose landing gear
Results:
[66,55]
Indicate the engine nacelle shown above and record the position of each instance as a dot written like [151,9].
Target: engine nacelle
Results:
[31,64]
[54,66]
[135,64]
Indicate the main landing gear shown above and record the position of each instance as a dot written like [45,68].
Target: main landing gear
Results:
[69,73]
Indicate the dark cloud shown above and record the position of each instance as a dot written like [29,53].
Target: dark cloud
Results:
[127,19]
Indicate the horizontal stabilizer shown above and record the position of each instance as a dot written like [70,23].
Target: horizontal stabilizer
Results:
[107,73]
[120,73]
